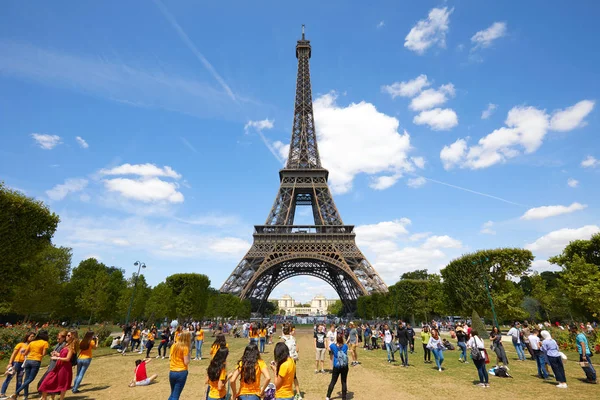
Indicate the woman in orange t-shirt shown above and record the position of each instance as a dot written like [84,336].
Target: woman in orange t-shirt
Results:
[217,375]
[199,341]
[219,343]
[35,352]
[16,362]
[89,342]
[262,337]
[249,369]
[178,364]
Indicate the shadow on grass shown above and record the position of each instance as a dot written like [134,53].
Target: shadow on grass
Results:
[83,395]
[349,396]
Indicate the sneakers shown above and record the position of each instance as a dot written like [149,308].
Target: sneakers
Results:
[562,386]
[481,384]
[158,356]
[316,371]
[440,370]
[163,357]
[322,371]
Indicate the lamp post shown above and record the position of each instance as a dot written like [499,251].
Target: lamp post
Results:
[487,287]
[140,265]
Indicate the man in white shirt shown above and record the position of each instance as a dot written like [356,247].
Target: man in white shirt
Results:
[535,343]
[331,338]
[515,332]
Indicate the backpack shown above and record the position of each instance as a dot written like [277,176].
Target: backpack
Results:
[475,352]
[502,372]
[342,358]
[290,342]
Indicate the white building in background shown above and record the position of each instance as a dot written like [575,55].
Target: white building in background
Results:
[318,305]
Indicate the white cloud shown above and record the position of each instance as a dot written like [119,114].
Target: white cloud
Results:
[416,182]
[260,125]
[488,111]
[419,162]
[554,242]
[430,98]
[144,170]
[487,228]
[415,237]
[590,162]
[572,182]
[437,119]
[551,211]
[61,191]
[383,182]
[217,220]
[453,154]
[485,37]
[46,142]
[229,245]
[571,117]
[386,230]
[381,24]
[85,197]
[525,130]
[82,142]
[146,190]
[544,265]
[406,88]
[430,31]
[444,242]
[347,150]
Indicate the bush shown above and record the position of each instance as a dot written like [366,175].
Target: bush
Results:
[107,341]
[103,333]
[9,337]
[478,325]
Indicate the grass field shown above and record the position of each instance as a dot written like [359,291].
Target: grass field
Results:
[108,376]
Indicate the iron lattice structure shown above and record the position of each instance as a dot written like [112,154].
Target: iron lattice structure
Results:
[327,249]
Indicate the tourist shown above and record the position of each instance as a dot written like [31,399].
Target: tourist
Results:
[525,332]
[437,348]
[84,360]
[199,339]
[478,355]
[535,343]
[140,375]
[144,339]
[35,352]
[150,341]
[249,370]
[179,361]
[15,364]
[216,375]
[284,369]
[425,335]
[403,340]
[550,349]
[253,333]
[517,341]
[461,341]
[411,338]
[388,338]
[59,379]
[340,367]
[353,343]
[262,337]
[368,333]
[320,348]
[135,337]
[218,344]
[61,341]
[585,353]
[290,342]
[164,343]
[126,339]
[498,347]
[331,337]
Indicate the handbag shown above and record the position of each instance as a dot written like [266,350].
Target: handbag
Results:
[393,347]
[487,357]
[475,352]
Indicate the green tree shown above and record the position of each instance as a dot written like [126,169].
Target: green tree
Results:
[138,307]
[336,308]
[419,274]
[464,281]
[94,296]
[478,325]
[191,294]
[160,303]
[26,228]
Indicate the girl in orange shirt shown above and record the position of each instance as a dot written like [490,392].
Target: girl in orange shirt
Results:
[178,364]
[88,343]
[199,341]
[249,369]
[219,343]
[262,336]
[217,375]
[35,352]
[16,362]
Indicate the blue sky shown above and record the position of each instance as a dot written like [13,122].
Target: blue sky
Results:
[156,129]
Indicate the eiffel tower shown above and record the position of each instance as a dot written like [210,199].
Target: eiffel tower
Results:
[327,249]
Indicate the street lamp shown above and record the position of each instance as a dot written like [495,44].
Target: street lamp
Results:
[140,265]
[487,287]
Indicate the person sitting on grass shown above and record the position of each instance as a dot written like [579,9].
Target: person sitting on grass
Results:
[141,377]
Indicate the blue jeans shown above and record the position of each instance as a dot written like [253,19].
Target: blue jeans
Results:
[481,371]
[284,398]
[254,341]
[262,342]
[18,367]
[556,364]
[199,348]
[463,348]
[248,397]
[403,350]
[540,361]
[388,347]
[177,380]
[31,369]
[82,366]
[439,357]
[520,352]
[587,358]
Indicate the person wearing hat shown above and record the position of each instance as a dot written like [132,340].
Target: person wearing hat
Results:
[550,348]
[461,341]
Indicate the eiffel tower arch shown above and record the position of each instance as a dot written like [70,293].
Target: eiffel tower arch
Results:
[327,249]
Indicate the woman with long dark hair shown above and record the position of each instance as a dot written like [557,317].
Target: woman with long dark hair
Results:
[164,342]
[437,348]
[219,343]
[150,341]
[16,361]
[477,343]
[249,369]
[35,352]
[59,379]
[216,375]
[340,365]
[498,347]
[262,337]
[284,368]
[84,360]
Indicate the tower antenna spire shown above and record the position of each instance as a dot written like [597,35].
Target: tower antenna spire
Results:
[302,31]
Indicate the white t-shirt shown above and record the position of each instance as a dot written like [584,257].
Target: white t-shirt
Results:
[534,342]
[331,336]
[515,333]
[477,341]
[387,336]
